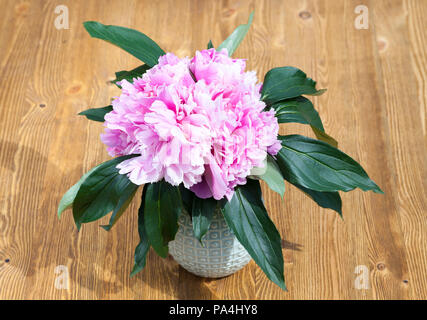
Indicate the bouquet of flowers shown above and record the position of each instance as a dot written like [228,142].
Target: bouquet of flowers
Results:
[199,134]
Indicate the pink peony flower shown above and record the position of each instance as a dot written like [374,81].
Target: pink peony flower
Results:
[207,134]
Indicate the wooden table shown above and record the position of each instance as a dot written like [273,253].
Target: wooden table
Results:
[375,107]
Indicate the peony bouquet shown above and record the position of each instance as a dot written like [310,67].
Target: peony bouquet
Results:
[199,134]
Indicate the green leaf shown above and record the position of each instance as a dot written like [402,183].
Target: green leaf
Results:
[247,217]
[210,44]
[256,172]
[187,197]
[132,41]
[68,198]
[162,208]
[286,83]
[142,249]
[301,110]
[96,114]
[328,200]
[130,75]
[203,210]
[273,177]
[234,40]
[103,191]
[318,166]
[122,205]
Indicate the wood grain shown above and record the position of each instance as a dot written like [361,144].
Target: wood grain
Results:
[375,107]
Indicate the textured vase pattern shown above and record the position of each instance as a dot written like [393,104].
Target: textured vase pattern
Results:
[221,253]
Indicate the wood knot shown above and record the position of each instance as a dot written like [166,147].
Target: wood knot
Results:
[405,281]
[229,12]
[381,266]
[7,260]
[21,9]
[74,89]
[382,45]
[305,15]
[42,105]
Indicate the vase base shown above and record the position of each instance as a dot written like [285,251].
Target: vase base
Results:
[213,270]
[219,255]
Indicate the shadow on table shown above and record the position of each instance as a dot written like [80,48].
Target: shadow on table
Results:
[171,281]
[291,245]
